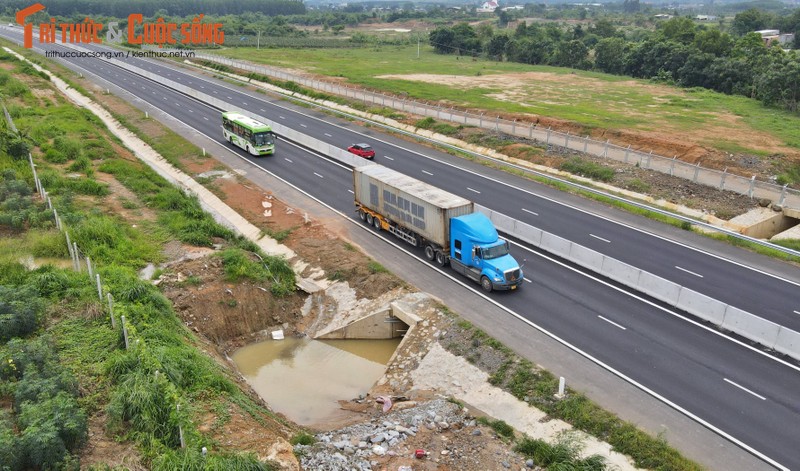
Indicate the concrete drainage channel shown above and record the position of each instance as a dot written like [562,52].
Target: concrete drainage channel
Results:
[752,327]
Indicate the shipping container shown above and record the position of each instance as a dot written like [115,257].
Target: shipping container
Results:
[408,202]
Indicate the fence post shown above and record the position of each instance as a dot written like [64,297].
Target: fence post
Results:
[672,165]
[722,180]
[69,249]
[497,123]
[77,257]
[111,310]
[696,172]
[514,128]
[58,221]
[438,111]
[530,131]
[89,267]
[605,151]
[566,141]
[180,428]
[547,141]
[649,156]
[783,195]
[480,121]
[752,186]
[124,331]
[585,143]
[626,153]
[99,287]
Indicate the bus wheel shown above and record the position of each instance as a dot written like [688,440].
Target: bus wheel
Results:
[486,284]
[430,253]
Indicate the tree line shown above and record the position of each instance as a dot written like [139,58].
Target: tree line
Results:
[678,51]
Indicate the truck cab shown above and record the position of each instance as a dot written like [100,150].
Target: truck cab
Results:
[477,251]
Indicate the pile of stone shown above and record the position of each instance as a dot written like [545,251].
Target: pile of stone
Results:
[357,447]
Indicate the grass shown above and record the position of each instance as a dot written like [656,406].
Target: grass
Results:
[590,99]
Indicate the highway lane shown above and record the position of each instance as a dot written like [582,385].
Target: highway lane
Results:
[684,364]
[753,291]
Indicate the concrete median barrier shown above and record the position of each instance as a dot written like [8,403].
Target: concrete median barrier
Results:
[753,327]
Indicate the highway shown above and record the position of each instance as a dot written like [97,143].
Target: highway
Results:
[745,394]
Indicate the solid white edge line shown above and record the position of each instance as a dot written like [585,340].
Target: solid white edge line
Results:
[600,238]
[529,211]
[689,271]
[527,279]
[519,317]
[612,323]
[745,389]
[351,191]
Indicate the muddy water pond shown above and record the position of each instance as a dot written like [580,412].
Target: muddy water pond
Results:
[303,379]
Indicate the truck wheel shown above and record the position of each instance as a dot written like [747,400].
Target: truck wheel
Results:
[486,284]
[430,253]
[441,259]
[362,215]
[377,223]
[369,219]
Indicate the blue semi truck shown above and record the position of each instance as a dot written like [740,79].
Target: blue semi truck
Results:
[445,225]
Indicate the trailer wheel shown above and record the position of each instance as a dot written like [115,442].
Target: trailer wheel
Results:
[486,284]
[430,253]
[377,223]
[362,215]
[369,219]
[441,259]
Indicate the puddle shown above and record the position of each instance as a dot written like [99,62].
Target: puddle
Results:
[303,379]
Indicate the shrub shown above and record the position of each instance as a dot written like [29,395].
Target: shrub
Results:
[588,169]
[20,310]
[70,148]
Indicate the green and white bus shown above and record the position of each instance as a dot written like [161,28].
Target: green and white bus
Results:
[253,136]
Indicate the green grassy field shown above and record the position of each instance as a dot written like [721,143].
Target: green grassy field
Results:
[589,99]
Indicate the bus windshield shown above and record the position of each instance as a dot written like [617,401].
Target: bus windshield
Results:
[263,139]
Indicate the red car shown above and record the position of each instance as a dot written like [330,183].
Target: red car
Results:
[362,150]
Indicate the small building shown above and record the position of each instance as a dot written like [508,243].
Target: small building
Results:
[662,16]
[770,36]
[488,7]
[706,18]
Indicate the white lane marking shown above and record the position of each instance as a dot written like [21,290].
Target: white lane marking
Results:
[328,135]
[202,86]
[320,176]
[303,125]
[796,312]
[177,104]
[529,211]
[191,111]
[689,272]
[262,109]
[525,279]
[612,323]
[427,172]
[600,238]
[282,117]
[287,160]
[476,191]
[387,157]
[745,389]
[216,92]
[244,102]
[145,89]
[205,118]
[228,97]
[351,191]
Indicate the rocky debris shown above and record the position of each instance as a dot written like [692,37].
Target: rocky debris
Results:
[359,446]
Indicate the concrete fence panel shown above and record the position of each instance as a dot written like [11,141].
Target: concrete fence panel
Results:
[702,306]
[753,327]
[659,288]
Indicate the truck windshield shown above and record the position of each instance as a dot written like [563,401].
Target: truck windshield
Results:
[494,252]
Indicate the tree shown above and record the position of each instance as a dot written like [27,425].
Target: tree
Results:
[497,46]
[571,54]
[631,6]
[681,29]
[749,21]
[694,72]
[713,41]
[442,40]
[603,28]
[609,55]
